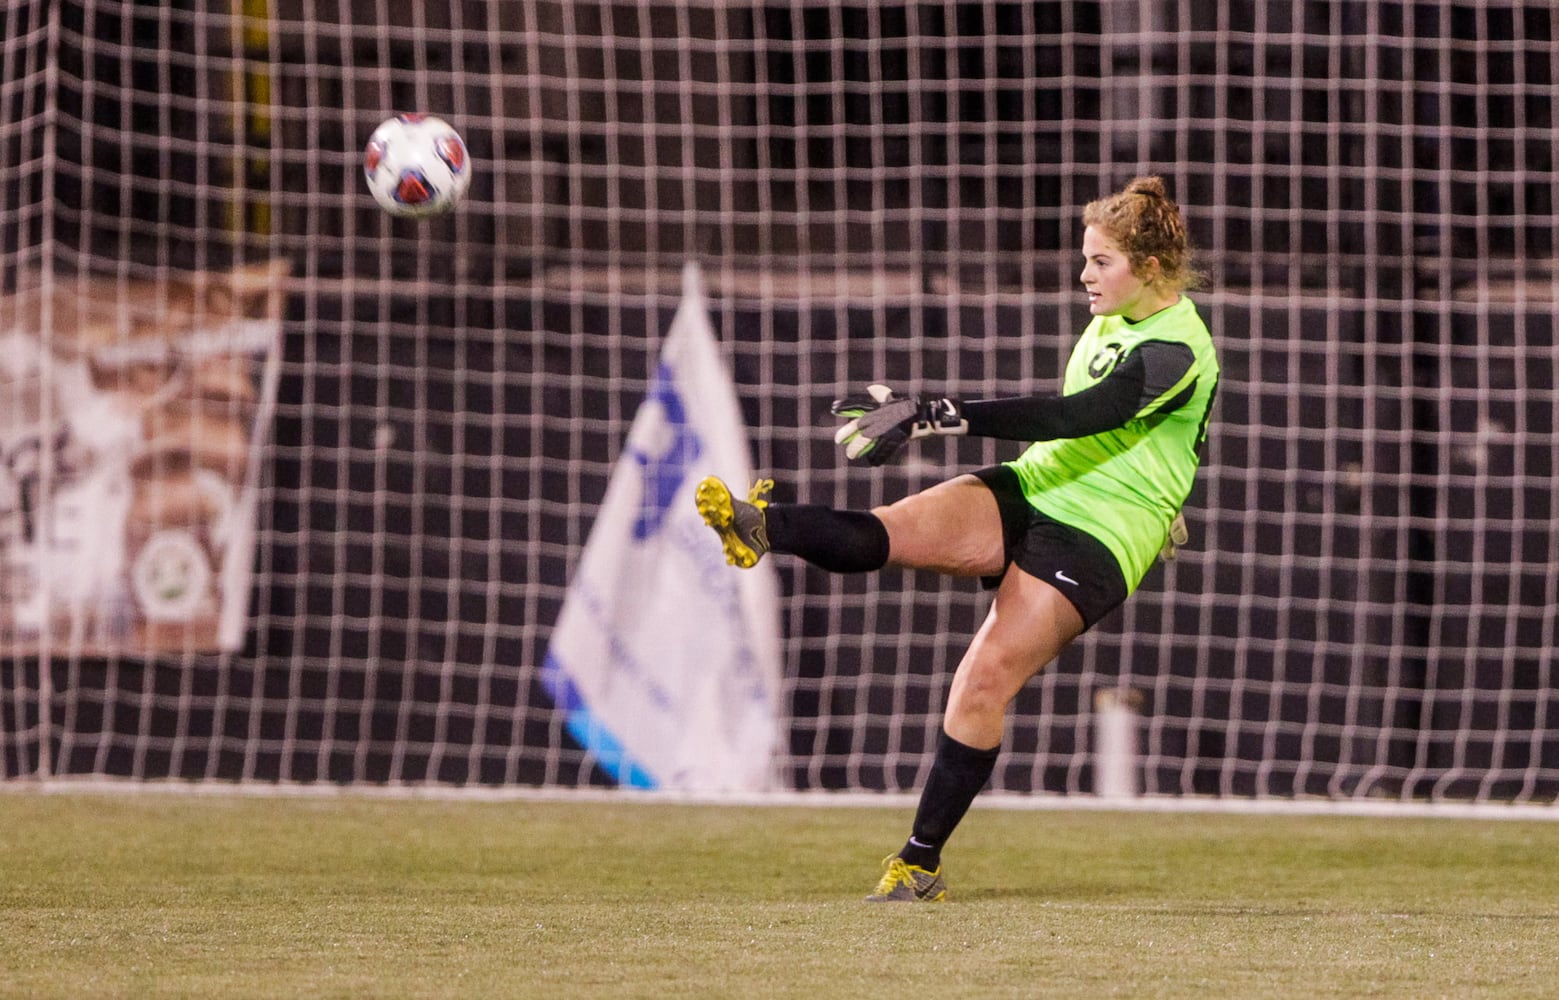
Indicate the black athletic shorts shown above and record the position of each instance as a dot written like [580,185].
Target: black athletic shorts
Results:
[1071,560]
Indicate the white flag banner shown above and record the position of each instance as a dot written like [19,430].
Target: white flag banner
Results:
[666,661]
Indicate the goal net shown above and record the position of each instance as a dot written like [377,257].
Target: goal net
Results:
[417,420]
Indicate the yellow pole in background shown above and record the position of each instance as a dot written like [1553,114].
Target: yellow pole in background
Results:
[250,210]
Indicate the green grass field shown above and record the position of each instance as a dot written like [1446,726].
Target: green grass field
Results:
[161,895]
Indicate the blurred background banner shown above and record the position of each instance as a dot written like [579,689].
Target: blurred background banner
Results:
[130,436]
[666,660]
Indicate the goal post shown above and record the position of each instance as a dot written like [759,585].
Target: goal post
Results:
[1366,609]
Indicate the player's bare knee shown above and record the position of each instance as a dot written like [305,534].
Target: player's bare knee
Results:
[987,689]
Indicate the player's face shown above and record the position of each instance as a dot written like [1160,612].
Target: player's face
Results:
[1113,288]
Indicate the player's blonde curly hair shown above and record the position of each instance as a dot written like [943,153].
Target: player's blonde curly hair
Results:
[1145,222]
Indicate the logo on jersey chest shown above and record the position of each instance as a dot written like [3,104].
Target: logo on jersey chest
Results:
[1105,360]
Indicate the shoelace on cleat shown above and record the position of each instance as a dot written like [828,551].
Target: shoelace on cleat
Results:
[755,496]
[897,874]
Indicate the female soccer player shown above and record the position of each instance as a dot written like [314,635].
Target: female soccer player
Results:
[1064,533]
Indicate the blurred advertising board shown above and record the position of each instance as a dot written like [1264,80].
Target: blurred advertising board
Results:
[131,414]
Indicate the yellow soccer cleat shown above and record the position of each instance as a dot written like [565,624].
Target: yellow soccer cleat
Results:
[739,523]
[906,883]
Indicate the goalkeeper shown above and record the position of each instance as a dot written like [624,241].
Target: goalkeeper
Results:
[1063,533]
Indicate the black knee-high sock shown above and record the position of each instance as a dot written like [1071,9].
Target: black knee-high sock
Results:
[840,541]
[957,775]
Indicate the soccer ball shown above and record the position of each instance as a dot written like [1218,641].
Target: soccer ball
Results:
[416,165]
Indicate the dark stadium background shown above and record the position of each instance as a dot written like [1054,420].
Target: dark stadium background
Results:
[1392,269]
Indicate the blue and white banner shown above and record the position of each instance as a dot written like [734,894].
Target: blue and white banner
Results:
[666,661]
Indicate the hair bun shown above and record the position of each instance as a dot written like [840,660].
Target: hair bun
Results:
[1151,185]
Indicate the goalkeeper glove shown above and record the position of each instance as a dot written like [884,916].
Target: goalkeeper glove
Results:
[1178,536]
[882,421]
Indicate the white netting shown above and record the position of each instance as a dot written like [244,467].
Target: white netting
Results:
[876,191]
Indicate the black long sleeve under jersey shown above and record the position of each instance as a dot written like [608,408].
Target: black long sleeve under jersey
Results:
[1143,376]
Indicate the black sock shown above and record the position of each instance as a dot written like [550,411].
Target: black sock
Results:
[957,775]
[840,541]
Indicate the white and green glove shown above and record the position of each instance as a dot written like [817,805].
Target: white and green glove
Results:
[880,422]
[1179,534]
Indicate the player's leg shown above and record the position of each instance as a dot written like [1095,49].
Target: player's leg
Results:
[1029,624]
[953,527]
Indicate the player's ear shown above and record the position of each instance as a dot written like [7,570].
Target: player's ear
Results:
[1152,270]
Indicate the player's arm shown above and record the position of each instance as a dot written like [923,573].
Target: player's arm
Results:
[1154,378]
[1151,379]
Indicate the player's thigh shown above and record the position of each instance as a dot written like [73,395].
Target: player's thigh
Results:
[953,527]
[1030,623]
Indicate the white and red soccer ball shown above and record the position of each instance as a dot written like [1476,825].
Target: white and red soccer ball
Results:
[416,165]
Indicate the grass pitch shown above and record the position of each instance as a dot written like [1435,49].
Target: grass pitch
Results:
[153,895]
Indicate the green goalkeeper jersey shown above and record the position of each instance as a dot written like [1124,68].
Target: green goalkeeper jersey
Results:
[1125,486]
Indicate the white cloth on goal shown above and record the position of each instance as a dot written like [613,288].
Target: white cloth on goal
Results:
[665,661]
